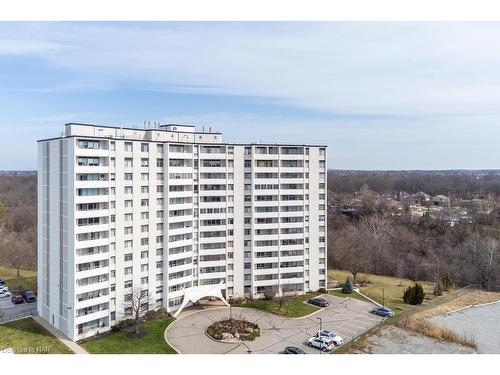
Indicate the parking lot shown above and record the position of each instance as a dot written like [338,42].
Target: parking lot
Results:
[347,317]
[8,309]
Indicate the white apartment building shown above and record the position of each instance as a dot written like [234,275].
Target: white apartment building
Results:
[159,210]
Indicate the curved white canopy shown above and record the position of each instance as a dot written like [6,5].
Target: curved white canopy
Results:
[198,292]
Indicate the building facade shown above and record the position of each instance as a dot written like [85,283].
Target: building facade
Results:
[126,212]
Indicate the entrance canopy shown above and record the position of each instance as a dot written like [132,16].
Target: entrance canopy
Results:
[198,292]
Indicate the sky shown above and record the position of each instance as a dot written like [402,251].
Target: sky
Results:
[381,95]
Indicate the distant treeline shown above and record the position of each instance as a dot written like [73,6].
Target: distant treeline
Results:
[459,183]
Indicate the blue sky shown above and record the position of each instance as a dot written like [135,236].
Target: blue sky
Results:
[381,95]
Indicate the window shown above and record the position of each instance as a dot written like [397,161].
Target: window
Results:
[128,270]
[89,144]
[128,162]
[128,189]
[144,147]
[159,163]
[128,146]
[127,257]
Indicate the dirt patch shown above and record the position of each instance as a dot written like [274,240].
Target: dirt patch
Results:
[393,340]
[419,321]
[471,298]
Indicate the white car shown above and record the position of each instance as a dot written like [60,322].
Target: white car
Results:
[321,343]
[4,288]
[4,294]
[330,335]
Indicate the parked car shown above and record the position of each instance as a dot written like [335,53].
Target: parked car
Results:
[29,296]
[337,340]
[319,301]
[321,343]
[383,311]
[4,293]
[17,299]
[2,282]
[4,288]
[293,350]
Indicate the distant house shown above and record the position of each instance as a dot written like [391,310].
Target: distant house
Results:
[441,200]
[419,198]
[452,216]
[422,197]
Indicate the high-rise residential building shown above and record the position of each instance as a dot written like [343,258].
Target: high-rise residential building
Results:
[126,212]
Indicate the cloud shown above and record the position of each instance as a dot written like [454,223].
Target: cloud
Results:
[333,67]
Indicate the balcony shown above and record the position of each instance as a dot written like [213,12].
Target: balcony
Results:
[92,316]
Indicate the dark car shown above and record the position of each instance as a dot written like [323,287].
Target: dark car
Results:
[2,282]
[293,350]
[17,299]
[319,301]
[383,311]
[29,296]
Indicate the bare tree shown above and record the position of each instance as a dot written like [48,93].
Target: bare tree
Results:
[483,252]
[139,303]
[348,251]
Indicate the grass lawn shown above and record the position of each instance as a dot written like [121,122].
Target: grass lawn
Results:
[27,336]
[118,342]
[295,308]
[393,288]
[26,281]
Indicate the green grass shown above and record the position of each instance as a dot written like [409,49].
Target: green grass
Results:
[26,281]
[27,336]
[118,342]
[393,288]
[295,307]
[338,293]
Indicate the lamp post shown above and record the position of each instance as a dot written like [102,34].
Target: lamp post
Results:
[319,335]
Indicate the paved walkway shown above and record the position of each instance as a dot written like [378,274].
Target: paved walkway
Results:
[347,318]
[77,349]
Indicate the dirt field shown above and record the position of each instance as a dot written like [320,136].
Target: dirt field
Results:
[393,340]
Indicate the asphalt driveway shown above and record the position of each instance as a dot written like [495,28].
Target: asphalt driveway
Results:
[347,318]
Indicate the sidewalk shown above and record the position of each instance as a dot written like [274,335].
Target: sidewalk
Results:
[77,349]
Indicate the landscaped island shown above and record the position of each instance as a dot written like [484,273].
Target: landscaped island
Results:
[233,330]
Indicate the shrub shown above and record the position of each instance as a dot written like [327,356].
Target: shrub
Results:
[322,290]
[414,295]
[160,314]
[347,287]
[124,325]
[438,288]
[447,282]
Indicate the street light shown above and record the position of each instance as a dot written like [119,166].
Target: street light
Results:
[319,335]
